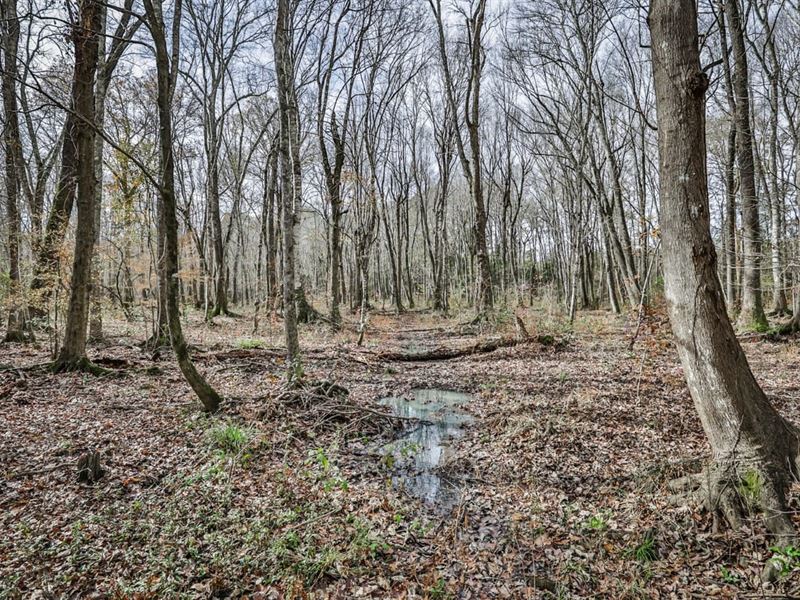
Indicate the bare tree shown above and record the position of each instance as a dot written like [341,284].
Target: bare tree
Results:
[291,176]
[748,437]
[86,37]
[166,68]
[475,19]
[751,314]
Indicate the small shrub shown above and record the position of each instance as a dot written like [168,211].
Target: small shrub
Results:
[230,438]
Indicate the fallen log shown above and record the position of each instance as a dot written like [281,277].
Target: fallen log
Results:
[446,353]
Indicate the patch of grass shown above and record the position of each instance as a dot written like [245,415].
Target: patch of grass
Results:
[755,327]
[229,438]
[645,551]
[250,344]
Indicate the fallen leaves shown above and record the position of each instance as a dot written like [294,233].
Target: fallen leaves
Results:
[565,468]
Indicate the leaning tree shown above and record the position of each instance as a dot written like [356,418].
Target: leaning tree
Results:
[750,441]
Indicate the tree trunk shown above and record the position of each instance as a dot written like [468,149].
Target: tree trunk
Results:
[752,314]
[101,88]
[168,221]
[291,178]
[86,35]
[749,440]
[17,326]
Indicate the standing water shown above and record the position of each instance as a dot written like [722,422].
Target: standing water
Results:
[416,455]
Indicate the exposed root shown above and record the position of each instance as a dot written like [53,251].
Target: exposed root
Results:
[19,336]
[305,312]
[792,326]
[154,344]
[79,365]
[733,493]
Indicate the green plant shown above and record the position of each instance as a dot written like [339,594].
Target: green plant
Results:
[645,551]
[296,373]
[365,542]
[249,344]
[229,438]
[438,591]
[321,458]
[409,449]
[598,522]
[785,558]
[330,475]
[729,577]
[750,488]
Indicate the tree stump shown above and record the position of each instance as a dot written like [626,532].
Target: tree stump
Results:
[305,312]
[89,469]
[522,332]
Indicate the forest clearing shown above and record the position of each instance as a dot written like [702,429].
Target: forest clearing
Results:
[563,472]
[436,299]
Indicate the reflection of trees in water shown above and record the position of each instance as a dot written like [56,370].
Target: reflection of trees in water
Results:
[428,442]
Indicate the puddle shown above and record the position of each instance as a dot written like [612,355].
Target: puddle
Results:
[415,455]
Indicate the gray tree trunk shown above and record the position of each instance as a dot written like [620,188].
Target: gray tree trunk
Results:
[86,35]
[752,314]
[748,438]
[291,177]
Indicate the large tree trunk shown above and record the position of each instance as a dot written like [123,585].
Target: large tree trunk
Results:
[16,329]
[86,35]
[749,439]
[752,314]
[291,182]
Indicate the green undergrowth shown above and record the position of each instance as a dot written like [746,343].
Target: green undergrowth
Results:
[207,532]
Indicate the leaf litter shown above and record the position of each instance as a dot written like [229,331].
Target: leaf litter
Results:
[563,470]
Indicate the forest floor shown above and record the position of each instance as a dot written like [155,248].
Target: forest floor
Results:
[562,469]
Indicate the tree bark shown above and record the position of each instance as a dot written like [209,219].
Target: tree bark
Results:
[166,68]
[749,439]
[291,178]
[752,314]
[16,330]
[86,36]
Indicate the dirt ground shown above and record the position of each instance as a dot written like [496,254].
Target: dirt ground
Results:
[564,469]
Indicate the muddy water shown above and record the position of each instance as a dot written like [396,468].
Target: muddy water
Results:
[416,454]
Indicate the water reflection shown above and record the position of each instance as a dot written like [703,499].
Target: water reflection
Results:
[415,455]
